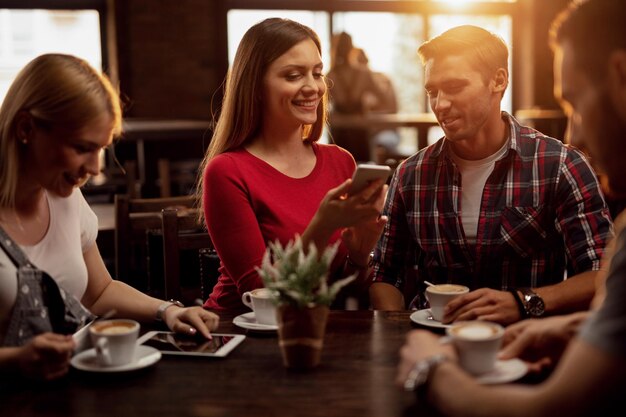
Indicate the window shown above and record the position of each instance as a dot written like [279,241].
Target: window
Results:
[389,32]
[27,33]
[239,21]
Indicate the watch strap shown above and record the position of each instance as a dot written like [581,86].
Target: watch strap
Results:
[160,314]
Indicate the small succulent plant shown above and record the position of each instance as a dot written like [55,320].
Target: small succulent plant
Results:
[298,278]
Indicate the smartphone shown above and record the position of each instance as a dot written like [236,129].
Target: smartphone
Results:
[365,174]
[170,343]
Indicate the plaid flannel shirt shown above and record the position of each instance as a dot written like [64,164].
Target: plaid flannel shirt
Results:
[542,214]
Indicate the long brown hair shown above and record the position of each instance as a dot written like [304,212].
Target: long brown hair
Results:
[240,118]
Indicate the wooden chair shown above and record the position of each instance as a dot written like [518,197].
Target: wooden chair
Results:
[180,175]
[135,219]
[113,180]
[181,232]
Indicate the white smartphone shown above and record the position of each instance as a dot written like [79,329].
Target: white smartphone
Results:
[170,343]
[364,174]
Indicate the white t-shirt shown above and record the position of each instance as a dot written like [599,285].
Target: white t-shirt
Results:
[474,176]
[72,231]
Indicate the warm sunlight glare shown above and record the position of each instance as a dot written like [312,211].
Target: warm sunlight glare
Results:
[457,2]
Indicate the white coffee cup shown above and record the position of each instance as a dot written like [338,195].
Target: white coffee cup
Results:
[114,341]
[441,294]
[260,301]
[477,343]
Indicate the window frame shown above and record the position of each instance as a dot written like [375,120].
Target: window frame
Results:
[522,75]
[100,6]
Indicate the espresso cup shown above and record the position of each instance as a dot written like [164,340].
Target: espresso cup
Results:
[477,344]
[114,341]
[441,294]
[260,301]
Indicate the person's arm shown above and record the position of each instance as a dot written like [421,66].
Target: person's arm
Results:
[338,210]
[361,238]
[573,294]
[541,342]
[104,294]
[570,295]
[585,224]
[583,380]
[384,296]
[392,252]
[619,224]
[232,224]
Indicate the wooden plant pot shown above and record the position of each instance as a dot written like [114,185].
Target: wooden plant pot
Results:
[301,335]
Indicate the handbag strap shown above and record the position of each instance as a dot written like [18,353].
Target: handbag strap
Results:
[13,250]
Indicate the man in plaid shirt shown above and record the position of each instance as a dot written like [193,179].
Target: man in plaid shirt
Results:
[493,205]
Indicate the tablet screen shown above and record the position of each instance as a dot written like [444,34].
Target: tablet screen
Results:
[179,344]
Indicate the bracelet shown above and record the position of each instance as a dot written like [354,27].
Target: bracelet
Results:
[520,306]
[421,372]
[160,314]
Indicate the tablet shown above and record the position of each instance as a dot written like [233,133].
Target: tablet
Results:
[169,343]
[366,173]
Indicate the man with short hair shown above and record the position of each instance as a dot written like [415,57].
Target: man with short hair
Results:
[589,40]
[493,205]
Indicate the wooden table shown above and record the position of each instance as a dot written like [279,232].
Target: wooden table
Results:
[355,378]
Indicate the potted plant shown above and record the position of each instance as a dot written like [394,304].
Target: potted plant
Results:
[299,284]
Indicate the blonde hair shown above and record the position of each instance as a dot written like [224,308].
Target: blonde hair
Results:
[241,113]
[53,89]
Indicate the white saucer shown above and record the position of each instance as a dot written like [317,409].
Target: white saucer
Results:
[248,321]
[424,318]
[144,357]
[505,371]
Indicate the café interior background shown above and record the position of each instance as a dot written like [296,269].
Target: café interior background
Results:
[169,57]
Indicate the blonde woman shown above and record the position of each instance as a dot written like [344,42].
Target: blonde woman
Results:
[56,118]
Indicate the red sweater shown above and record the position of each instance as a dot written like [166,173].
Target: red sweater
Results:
[248,203]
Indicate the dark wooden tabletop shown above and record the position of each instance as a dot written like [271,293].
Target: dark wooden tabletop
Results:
[355,378]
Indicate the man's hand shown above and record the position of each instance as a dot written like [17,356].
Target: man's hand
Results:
[483,304]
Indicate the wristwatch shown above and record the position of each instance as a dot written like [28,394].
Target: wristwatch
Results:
[160,314]
[421,371]
[533,303]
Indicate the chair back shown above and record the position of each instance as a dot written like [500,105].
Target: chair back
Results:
[181,234]
[135,218]
[177,177]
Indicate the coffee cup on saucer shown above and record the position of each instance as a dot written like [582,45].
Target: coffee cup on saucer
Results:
[114,341]
[439,295]
[261,302]
[477,343]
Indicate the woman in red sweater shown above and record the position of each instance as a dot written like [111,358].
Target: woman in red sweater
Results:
[265,177]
